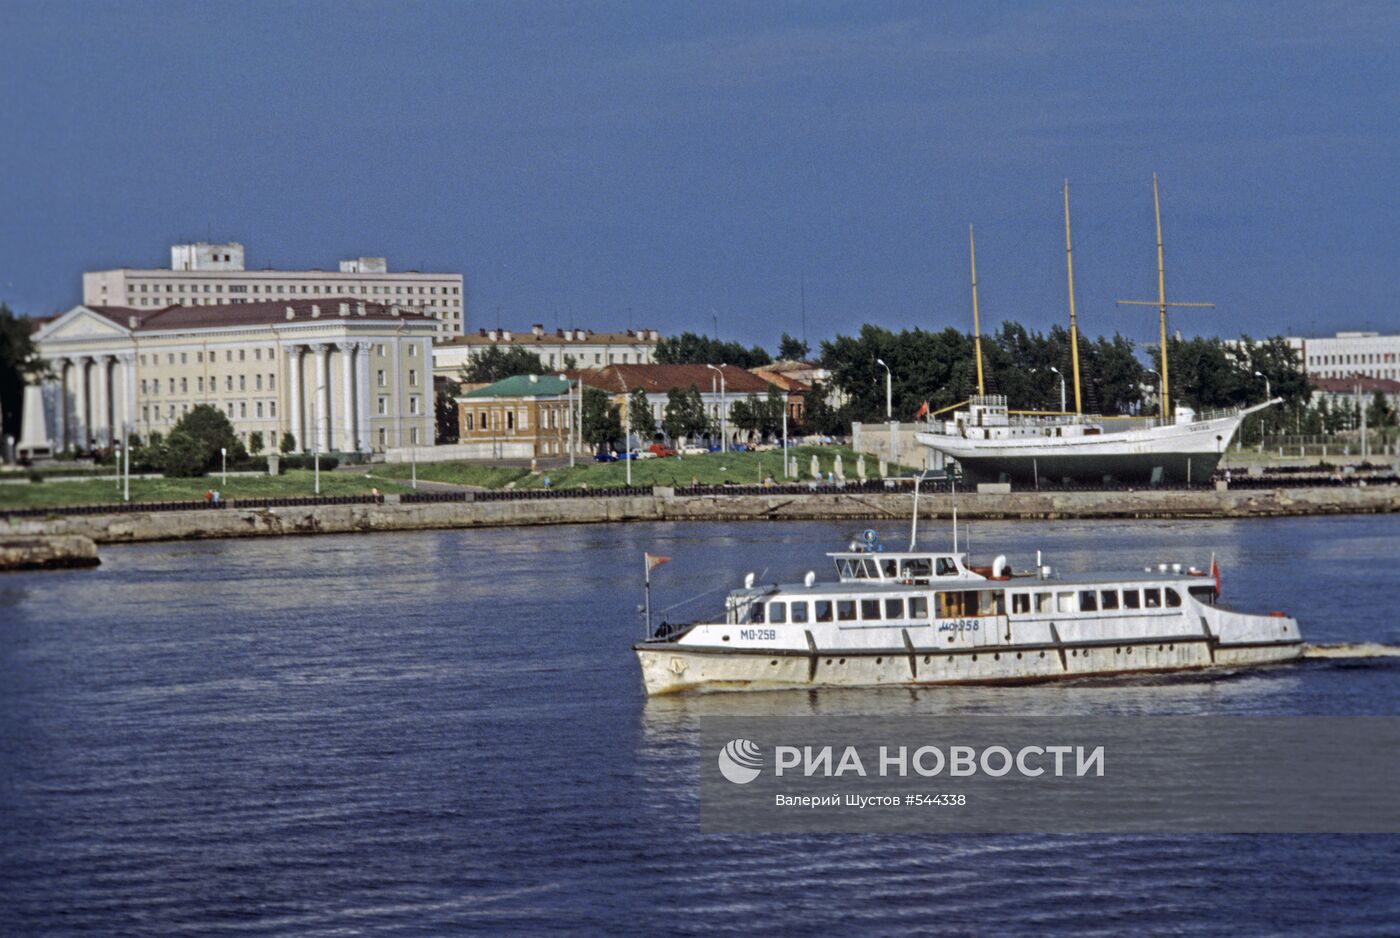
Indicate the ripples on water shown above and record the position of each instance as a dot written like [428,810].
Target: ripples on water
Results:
[441,732]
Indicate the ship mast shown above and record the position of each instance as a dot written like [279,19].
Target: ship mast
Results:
[1162,304]
[976,322]
[1073,326]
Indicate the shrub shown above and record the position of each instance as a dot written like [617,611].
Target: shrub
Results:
[184,455]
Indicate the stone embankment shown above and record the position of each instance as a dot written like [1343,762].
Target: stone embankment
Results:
[233,521]
[46,552]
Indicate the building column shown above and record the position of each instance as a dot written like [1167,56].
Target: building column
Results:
[362,395]
[429,436]
[101,401]
[80,403]
[347,372]
[294,397]
[322,431]
[397,403]
[60,423]
[128,360]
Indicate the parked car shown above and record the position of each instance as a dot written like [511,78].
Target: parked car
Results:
[604,457]
[660,449]
[693,450]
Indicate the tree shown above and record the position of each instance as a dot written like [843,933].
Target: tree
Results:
[1379,412]
[445,418]
[183,455]
[639,412]
[495,364]
[602,420]
[691,349]
[19,365]
[770,418]
[745,414]
[792,349]
[255,443]
[684,416]
[289,443]
[195,441]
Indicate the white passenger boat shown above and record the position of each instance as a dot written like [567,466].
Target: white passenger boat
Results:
[922,617]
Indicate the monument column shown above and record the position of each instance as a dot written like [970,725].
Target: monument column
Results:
[347,369]
[294,397]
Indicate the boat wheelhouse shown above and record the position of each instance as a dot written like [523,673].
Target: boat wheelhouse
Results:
[928,617]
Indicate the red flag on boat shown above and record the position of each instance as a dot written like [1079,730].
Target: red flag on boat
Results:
[655,560]
[923,411]
[1215,573]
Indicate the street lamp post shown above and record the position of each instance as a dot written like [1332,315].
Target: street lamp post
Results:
[316,449]
[1062,387]
[1161,418]
[785,442]
[1268,390]
[126,464]
[889,407]
[723,411]
[223,465]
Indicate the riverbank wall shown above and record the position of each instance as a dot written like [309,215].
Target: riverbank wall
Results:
[233,521]
[46,552]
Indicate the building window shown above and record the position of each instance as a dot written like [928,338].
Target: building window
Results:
[383,437]
[383,406]
[184,358]
[412,350]
[184,385]
[272,382]
[243,408]
[155,383]
[380,376]
[170,358]
[412,376]
[413,404]
[242,382]
[143,385]
[381,349]
[258,409]
[241,355]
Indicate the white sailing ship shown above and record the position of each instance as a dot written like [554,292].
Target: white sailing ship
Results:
[994,444]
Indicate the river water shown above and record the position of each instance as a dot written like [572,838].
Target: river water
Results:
[433,733]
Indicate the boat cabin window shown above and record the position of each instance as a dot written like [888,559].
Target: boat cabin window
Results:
[894,609]
[1064,602]
[799,612]
[1173,598]
[823,610]
[1132,599]
[1152,599]
[846,610]
[1044,603]
[1020,603]
[967,603]
[1108,599]
[777,613]
[916,568]
[918,607]
[890,568]
[1203,594]
[870,609]
[1088,601]
[946,567]
[755,612]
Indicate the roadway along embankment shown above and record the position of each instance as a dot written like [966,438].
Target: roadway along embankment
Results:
[233,521]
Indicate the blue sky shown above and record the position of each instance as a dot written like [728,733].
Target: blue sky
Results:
[578,160]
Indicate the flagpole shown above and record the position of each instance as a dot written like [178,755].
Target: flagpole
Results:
[646,565]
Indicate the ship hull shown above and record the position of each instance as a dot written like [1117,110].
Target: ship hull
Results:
[1186,453]
[673,668]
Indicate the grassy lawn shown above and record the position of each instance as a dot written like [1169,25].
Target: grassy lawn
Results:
[709,469]
[296,482]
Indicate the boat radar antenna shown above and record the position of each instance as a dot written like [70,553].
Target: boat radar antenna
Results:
[1165,409]
[976,322]
[1073,326]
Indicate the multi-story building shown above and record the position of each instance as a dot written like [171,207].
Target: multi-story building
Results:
[214,275]
[657,381]
[562,349]
[1350,353]
[522,417]
[339,374]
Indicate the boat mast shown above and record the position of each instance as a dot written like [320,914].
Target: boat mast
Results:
[1166,407]
[1073,326]
[976,322]
[1162,304]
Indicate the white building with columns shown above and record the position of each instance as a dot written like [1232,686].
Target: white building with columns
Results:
[339,375]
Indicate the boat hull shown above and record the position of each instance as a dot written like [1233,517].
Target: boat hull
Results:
[669,668]
[1184,453]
